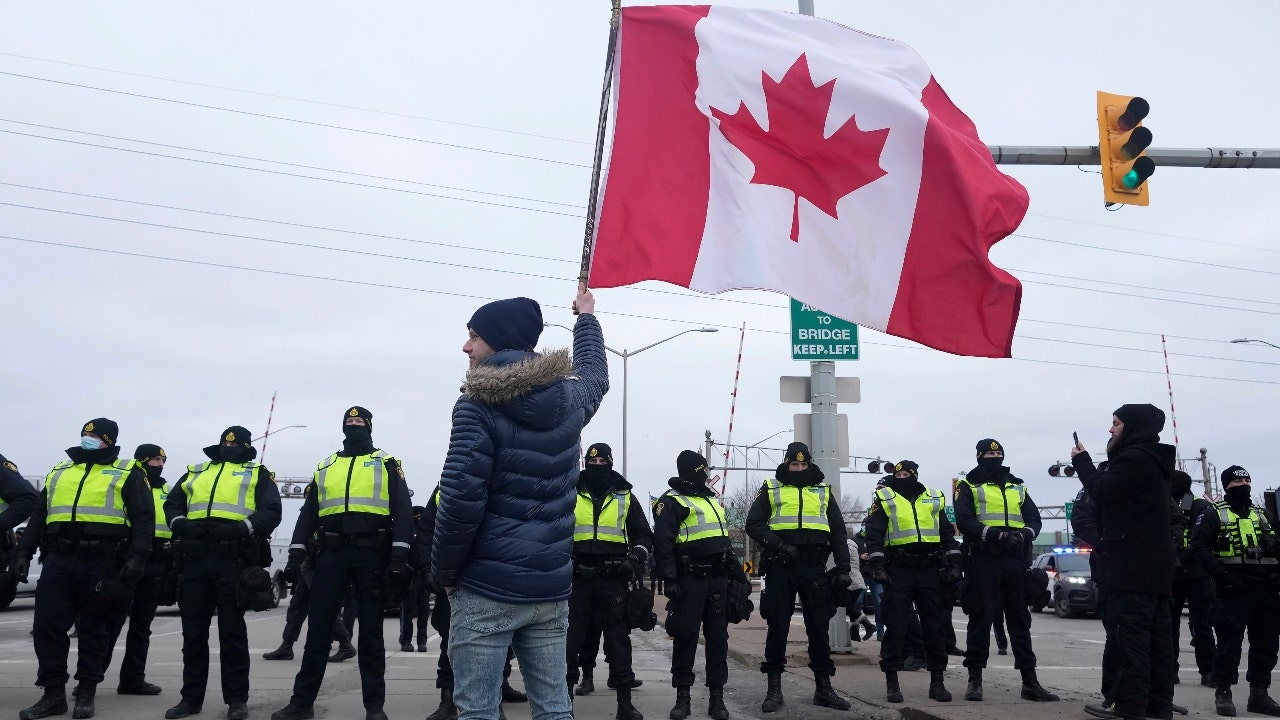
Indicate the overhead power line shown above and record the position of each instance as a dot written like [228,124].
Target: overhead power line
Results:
[330,126]
[1147,255]
[310,101]
[1155,233]
[391,286]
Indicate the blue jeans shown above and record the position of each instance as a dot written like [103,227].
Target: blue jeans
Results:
[480,629]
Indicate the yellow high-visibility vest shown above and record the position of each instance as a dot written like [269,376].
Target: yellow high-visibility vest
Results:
[221,490]
[1245,532]
[912,522]
[353,484]
[609,526]
[85,492]
[996,506]
[705,518]
[158,496]
[792,512]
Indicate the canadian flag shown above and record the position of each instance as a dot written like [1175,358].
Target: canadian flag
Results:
[766,150]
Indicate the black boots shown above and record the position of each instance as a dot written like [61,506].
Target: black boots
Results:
[138,687]
[1222,701]
[716,709]
[587,686]
[773,696]
[512,695]
[1031,689]
[237,711]
[293,711]
[938,691]
[53,702]
[181,710]
[345,651]
[626,711]
[825,696]
[447,710]
[83,696]
[892,690]
[973,691]
[284,652]
[1261,702]
[681,709]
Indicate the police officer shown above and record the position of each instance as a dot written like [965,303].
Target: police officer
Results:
[17,501]
[423,536]
[1235,543]
[695,559]
[416,604]
[797,520]
[216,511]
[95,521]
[1192,586]
[299,603]
[611,545]
[360,512]
[146,595]
[998,520]
[909,540]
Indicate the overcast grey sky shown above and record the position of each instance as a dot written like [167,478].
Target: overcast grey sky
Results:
[498,110]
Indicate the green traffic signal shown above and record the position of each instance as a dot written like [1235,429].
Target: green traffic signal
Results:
[1143,168]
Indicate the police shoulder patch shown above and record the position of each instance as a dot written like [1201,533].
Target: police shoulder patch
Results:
[11,466]
[657,508]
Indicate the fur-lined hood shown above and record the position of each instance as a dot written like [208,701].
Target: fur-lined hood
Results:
[522,384]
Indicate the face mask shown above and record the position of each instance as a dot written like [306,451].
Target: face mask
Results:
[357,433]
[595,472]
[153,472]
[238,454]
[1239,494]
[990,463]
[89,442]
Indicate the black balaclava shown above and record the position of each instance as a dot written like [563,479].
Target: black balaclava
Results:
[909,484]
[1240,496]
[1142,425]
[241,453]
[798,452]
[598,478]
[143,454]
[691,470]
[357,439]
[990,464]
[1179,484]
[106,429]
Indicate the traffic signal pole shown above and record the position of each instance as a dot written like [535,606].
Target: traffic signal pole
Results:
[1207,157]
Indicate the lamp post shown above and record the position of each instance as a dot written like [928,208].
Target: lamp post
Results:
[1255,340]
[625,355]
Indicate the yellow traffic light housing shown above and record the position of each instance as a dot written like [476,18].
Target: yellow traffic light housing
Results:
[1122,146]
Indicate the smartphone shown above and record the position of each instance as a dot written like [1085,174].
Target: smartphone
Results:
[1075,437]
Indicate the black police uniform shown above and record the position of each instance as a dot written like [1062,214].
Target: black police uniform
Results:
[602,570]
[1235,543]
[156,580]
[299,602]
[1192,586]
[914,555]
[356,548]
[695,572]
[416,604]
[212,552]
[420,559]
[998,555]
[795,564]
[17,501]
[78,555]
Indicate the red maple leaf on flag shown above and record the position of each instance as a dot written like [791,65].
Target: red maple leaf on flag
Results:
[793,154]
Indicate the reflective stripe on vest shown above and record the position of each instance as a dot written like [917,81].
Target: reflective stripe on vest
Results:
[1245,531]
[705,518]
[353,484]
[790,512]
[996,506]
[159,495]
[912,522]
[221,490]
[95,496]
[609,526]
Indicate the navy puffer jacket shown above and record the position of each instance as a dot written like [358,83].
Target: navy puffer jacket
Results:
[504,528]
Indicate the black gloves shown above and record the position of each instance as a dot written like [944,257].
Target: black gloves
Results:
[187,530]
[133,569]
[955,571]
[234,531]
[22,566]
[639,556]
[291,568]
[786,554]
[399,570]
[671,588]
[1015,541]
[878,572]
[842,580]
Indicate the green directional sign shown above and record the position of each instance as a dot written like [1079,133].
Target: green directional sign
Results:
[815,335]
[951,513]
[1067,506]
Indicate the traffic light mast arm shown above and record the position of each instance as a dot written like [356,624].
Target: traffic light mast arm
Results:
[1208,157]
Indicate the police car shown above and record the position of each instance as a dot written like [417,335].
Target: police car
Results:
[1070,590]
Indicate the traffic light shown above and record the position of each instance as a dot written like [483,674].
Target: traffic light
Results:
[1057,469]
[1122,146]
[874,466]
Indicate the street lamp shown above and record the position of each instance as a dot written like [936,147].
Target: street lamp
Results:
[1255,340]
[625,354]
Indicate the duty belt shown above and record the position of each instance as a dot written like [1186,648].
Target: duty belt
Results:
[812,554]
[604,568]
[211,548]
[84,547]
[335,541]
[703,566]
[912,560]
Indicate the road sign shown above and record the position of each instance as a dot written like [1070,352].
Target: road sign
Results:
[796,389]
[802,431]
[816,335]
[951,513]
[1067,508]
